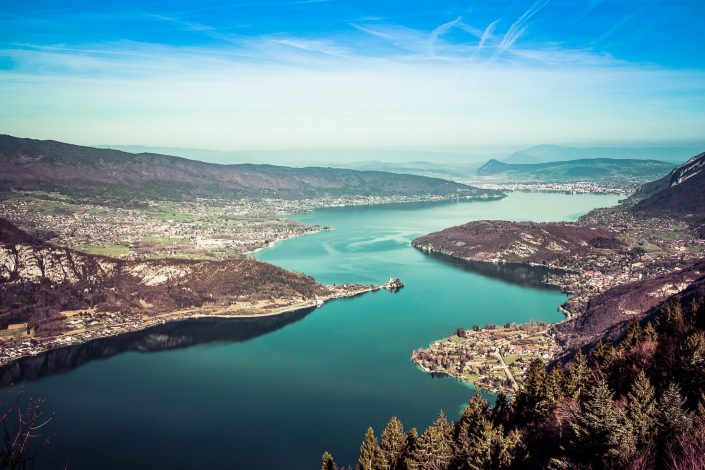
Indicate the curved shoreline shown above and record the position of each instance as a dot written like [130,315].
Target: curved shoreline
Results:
[14,350]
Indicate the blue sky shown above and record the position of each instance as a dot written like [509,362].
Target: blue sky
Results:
[424,75]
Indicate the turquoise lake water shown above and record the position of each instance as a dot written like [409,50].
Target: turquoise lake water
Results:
[278,392]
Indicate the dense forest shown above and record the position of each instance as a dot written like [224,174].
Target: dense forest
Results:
[636,404]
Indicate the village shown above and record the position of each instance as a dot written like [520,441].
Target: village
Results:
[196,229]
[653,247]
[491,358]
[579,187]
[84,325]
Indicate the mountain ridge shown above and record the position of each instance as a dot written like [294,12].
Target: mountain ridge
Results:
[546,153]
[601,170]
[29,164]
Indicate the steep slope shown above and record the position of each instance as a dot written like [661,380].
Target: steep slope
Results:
[516,242]
[608,313]
[680,192]
[603,170]
[37,164]
[39,280]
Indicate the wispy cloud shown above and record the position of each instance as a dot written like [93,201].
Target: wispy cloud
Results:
[486,34]
[409,84]
[519,27]
[440,31]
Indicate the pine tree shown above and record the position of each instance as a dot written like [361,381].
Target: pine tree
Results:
[691,316]
[504,448]
[603,356]
[633,334]
[412,443]
[690,366]
[328,462]
[501,410]
[649,333]
[371,456]
[558,380]
[434,448]
[393,442]
[478,444]
[577,375]
[601,434]
[641,410]
[472,442]
[534,400]
[672,419]
[673,321]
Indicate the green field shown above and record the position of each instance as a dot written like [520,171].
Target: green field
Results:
[109,250]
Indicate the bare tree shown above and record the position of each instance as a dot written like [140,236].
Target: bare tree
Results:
[22,423]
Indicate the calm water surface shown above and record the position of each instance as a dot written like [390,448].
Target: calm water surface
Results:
[277,393]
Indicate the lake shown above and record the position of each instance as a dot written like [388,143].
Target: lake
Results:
[277,392]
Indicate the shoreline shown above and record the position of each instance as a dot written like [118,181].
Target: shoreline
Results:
[33,346]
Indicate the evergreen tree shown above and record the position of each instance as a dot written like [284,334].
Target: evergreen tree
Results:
[328,462]
[649,333]
[478,444]
[501,410]
[600,433]
[412,443]
[558,380]
[371,456]
[690,366]
[393,442]
[673,321]
[434,448]
[672,419]
[578,375]
[534,400]
[633,334]
[691,316]
[603,356]
[641,410]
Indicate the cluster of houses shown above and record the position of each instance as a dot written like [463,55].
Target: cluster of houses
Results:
[492,358]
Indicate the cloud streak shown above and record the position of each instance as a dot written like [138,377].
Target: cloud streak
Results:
[273,93]
[519,27]
[430,82]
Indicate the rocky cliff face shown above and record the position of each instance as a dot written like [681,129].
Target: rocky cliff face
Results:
[680,192]
[39,280]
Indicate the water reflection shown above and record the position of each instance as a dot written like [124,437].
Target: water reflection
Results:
[174,335]
[513,273]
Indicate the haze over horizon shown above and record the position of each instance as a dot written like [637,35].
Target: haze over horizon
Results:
[442,76]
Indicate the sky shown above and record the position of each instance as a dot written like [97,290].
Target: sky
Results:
[413,75]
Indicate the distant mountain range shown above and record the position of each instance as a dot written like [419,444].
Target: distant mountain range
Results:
[555,153]
[602,170]
[45,164]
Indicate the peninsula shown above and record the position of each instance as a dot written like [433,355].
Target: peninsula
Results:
[53,296]
[617,264]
